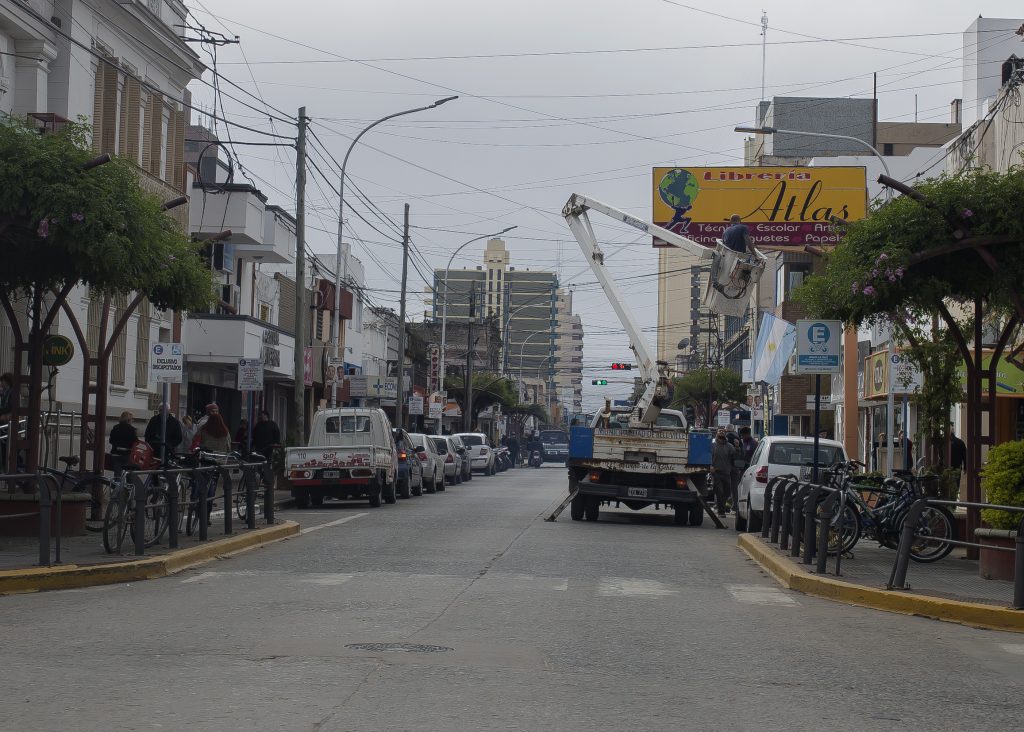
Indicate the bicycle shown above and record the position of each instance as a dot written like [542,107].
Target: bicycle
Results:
[241,502]
[884,521]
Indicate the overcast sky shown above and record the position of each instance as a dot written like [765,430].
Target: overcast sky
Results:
[556,97]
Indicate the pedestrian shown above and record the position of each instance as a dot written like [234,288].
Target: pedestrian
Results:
[6,408]
[747,444]
[213,435]
[122,436]
[513,450]
[904,443]
[208,410]
[242,435]
[874,449]
[723,456]
[737,236]
[174,432]
[957,457]
[188,430]
[265,435]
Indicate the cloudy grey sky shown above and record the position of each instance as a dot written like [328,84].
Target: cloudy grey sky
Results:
[556,97]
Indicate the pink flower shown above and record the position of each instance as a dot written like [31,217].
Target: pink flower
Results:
[44,229]
[78,217]
[882,257]
[968,213]
[892,278]
[54,220]
[874,273]
[869,291]
[854,288]
[899,271]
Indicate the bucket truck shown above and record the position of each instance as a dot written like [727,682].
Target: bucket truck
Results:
[648,458]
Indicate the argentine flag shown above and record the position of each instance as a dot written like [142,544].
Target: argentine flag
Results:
[776,340]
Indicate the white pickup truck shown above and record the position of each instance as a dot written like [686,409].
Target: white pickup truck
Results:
[351,454]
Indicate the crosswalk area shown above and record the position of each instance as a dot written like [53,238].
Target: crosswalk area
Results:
[510,584]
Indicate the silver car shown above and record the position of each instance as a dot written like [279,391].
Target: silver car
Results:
[431,460]
[452,460]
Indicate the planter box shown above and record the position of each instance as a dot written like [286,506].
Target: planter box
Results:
[996,564]
[73,511]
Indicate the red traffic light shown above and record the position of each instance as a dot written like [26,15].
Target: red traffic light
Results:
[622,366]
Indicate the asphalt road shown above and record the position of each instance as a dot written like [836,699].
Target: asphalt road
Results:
[631,623]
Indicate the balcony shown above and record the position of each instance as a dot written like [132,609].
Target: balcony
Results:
[258,231]
[223,339]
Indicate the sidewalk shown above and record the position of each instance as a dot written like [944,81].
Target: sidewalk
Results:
[949,589]
[84,561]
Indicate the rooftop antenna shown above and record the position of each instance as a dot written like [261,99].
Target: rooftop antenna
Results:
[764,48]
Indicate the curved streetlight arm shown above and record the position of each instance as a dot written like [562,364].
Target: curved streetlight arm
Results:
[339,264]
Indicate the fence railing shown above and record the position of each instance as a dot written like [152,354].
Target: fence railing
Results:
[46,487]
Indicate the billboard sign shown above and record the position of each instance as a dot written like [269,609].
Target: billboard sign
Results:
[782,207]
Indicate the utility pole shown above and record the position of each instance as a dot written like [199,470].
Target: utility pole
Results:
[467,417]
[298,427]
[399,398]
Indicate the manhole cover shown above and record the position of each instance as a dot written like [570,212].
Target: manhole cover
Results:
[398,647]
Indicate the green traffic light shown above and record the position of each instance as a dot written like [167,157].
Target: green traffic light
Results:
[599,382]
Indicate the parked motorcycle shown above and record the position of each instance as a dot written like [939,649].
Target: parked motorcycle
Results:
[503,461]
[536,459]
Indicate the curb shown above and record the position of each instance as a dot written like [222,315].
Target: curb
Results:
[39,579]
[789,575]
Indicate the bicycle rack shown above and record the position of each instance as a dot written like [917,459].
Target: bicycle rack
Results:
[787,514]
[780,491]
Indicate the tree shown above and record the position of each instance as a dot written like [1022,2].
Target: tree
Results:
[708,389]
[953,245]
[66,218]
[488,390]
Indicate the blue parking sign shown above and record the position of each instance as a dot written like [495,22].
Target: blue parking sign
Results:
[817,346]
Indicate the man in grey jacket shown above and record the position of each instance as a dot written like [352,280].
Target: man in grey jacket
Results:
[722,456]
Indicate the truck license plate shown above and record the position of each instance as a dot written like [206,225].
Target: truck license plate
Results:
[637,492]
[332,474]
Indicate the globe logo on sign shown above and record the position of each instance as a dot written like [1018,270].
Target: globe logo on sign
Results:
[818,336]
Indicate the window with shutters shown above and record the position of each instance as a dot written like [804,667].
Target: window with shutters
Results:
[264,312]
[117,356]
[142,346]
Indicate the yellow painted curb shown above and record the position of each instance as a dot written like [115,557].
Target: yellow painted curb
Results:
[789,575]
[70,576]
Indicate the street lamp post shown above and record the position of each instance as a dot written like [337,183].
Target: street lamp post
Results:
[336,320]
[444,306]
[850,338]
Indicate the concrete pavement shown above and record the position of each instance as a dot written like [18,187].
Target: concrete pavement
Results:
[509,623]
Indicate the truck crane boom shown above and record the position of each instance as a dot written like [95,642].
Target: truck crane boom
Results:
[732,273]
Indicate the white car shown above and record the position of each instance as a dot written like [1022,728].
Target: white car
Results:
[431,460]
[445,448]
[481,456]
[778,455]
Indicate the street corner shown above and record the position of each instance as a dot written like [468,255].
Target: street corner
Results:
[794,576]
[73,576]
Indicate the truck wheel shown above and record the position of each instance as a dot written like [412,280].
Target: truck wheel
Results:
[696,514]
[681,515]
[317,499]
[404,491]
[577,507]
[301,496]
[432,487]
[388,492]
[375,496]
[592,509]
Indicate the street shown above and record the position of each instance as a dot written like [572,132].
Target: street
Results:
[630,623]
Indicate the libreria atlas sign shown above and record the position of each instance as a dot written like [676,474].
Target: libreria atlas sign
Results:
[782,206]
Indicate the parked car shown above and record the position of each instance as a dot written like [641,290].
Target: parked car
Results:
[431,461]
[481,456]
[779,455]
[452,460]
[351,454]
[463,449]
[410,471]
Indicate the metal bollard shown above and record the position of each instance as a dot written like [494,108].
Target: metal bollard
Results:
[824,525]
[59,518]
[787,514]
[796,523]
[172,509]
[44,522]
[810,512]
[268,493]
[766,514]
[139,528]
[228,505]
[1018,569]
[780,492]
[898,578]
[203,507]
[249,476]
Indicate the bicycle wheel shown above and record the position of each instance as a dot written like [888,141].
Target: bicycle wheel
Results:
[115,521]
[844,532]
[936,523]
[155,515]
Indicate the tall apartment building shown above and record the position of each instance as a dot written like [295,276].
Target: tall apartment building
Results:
[523,302]
[569,354]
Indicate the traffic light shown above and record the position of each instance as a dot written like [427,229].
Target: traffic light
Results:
[599,382]
[622,367]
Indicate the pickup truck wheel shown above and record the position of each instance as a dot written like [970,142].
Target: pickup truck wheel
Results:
[375,500]
[577,507]
[301,496]
[681,515]
[317,499]
[696,514]
[592,509]
[388,493]
[404,489]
